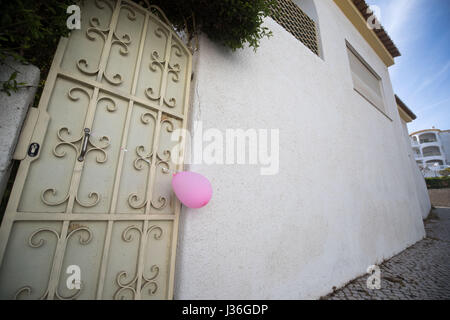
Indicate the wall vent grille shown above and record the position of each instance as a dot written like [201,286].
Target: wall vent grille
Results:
[296,22]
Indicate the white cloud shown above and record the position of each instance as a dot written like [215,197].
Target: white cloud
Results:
[430,80]
[432,106]
[400,14]
[398,18]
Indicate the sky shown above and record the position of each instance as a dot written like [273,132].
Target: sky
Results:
[421,76]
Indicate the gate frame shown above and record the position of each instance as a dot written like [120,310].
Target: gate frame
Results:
[35,129]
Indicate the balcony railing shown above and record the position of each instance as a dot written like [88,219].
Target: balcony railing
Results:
[430,166]
[432,154]
[427,140]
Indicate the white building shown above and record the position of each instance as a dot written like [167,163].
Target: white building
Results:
[93,189]
[341,201]
[431,150]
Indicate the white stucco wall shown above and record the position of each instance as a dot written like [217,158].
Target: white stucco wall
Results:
[13,110]
[344,197]
[445,139]
[417,177]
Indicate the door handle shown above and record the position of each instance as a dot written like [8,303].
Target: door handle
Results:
[84,144]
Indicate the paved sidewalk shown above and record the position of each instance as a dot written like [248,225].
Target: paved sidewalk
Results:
[440,197]
[420,272]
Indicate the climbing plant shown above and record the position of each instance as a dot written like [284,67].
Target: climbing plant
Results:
[29,32]
[233,23]
[30,29]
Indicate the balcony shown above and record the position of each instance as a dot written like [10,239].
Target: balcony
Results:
[428,138]
[434,163]
[422,141]
[432,151]
[431,170]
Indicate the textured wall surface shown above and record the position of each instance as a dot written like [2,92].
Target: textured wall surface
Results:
[13,109]
[345,196]
[418,180]
[445,139]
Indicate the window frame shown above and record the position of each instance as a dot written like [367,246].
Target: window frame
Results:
[378,101]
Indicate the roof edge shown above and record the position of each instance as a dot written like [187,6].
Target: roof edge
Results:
[355,17]
[405,108]
[425,130]
[381,33]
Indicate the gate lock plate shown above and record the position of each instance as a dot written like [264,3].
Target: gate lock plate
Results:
[33,149]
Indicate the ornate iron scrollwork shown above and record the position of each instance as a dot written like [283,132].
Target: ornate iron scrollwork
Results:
[82,145]
[148,282]
[86,141]
[34,242]
[174,70]
[145,158]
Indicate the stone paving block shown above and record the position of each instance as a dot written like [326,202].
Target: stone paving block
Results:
[419,272]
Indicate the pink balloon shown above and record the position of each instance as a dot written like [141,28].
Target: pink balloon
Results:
[192,189]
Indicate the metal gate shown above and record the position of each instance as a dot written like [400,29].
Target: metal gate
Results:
[93,187]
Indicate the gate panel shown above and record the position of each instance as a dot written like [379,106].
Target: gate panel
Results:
[98,194]
[125,43]
[96,20]
[137,157]
[151,245]
[149,84]
[162,202]
[84,249]
[34,246]
[97,179]
[176,84]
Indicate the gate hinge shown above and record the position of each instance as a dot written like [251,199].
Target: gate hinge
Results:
[26,134]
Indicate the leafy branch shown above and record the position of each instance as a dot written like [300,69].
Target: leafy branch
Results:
[233,23]
[29,33]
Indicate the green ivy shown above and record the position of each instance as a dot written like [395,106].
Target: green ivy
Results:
[233,23]
[29,32]
[30,29]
